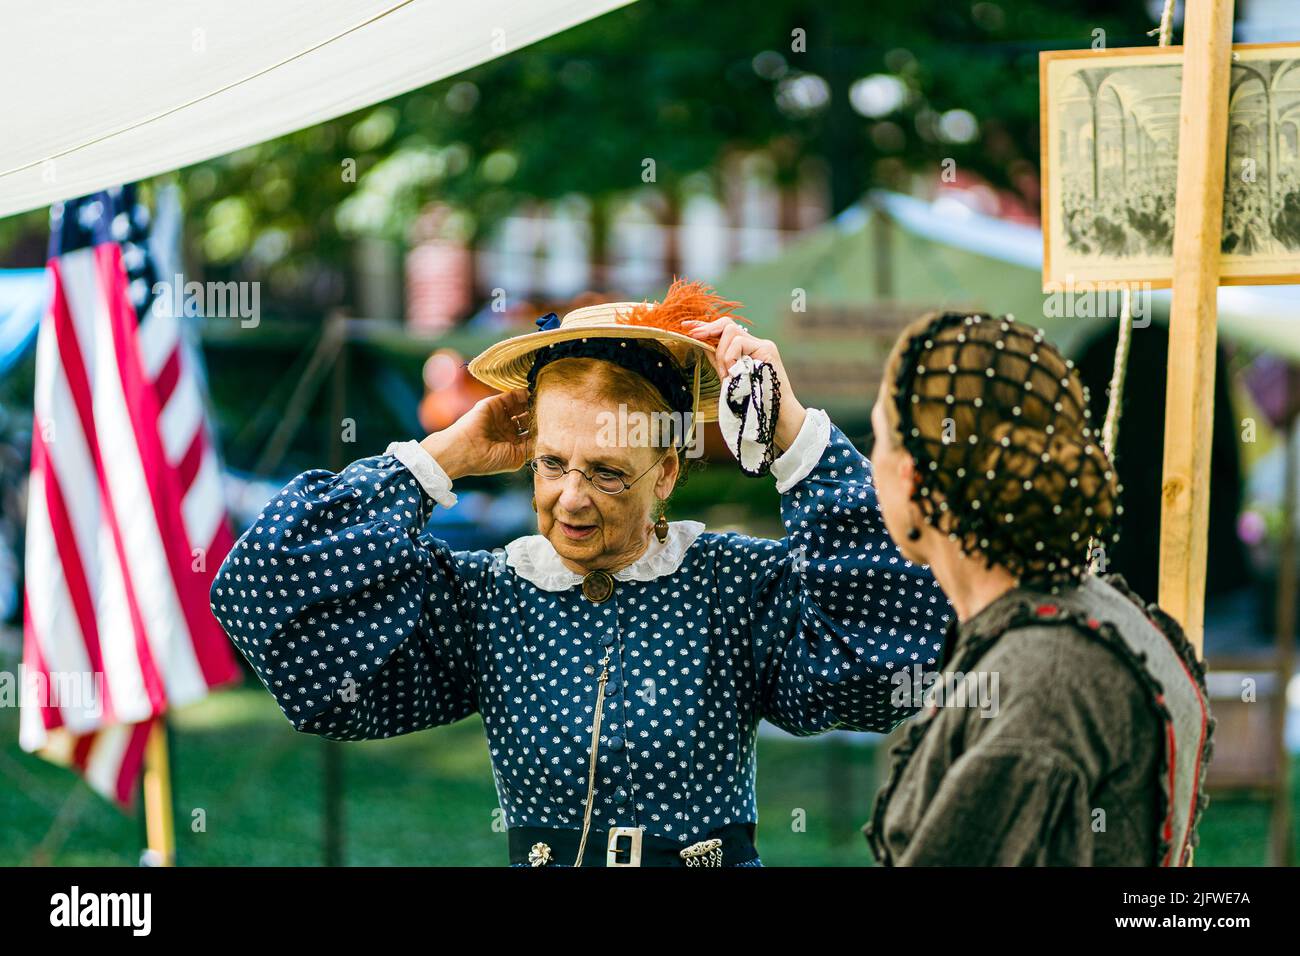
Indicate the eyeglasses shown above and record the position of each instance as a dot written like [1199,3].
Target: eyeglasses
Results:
[606,481]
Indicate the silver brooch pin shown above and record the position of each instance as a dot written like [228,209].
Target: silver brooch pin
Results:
[704,853]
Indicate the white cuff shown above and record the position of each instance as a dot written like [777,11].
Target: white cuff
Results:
[804,452]
[426,469]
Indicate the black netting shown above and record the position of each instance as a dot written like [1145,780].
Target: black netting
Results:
[647,358]
[997,422]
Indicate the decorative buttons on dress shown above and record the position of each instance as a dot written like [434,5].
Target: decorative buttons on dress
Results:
[620,795]
[615,743]
[607,639]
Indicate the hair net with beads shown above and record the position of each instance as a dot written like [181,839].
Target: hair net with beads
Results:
[997,422]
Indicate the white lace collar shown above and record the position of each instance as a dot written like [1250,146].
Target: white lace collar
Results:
[535,559]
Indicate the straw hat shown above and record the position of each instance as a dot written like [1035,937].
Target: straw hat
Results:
[506,364]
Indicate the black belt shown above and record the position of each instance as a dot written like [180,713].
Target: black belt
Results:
[625,846]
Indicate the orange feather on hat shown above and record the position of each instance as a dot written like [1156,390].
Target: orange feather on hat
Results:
[685,300]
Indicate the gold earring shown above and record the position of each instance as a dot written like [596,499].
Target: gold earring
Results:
[534,502]
[661,525]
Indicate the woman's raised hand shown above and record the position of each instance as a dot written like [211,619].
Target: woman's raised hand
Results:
[490,438]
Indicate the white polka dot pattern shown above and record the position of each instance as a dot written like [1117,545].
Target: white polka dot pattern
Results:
[364,626]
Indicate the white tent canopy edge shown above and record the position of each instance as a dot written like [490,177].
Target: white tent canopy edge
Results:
[115,91]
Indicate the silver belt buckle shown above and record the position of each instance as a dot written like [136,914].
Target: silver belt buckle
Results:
[633,849]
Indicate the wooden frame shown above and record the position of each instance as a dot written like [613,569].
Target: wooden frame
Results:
[1138,256]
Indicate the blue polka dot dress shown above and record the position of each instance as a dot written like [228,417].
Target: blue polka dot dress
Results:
[364,626]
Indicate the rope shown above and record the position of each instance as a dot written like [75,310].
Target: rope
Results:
[1166,28]
[1110,430]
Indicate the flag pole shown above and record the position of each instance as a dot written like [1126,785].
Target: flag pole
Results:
[159,826]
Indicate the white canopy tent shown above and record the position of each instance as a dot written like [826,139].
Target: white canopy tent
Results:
[97,94]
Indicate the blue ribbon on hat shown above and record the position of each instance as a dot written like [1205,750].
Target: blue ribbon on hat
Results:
[651,361]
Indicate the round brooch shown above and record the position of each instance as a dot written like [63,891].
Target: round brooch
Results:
[597,586]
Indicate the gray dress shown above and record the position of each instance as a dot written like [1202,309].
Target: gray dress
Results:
[1082,739]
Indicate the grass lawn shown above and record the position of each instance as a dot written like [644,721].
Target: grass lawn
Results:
[248,793]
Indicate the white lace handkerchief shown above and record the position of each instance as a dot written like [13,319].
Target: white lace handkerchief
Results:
[747,411]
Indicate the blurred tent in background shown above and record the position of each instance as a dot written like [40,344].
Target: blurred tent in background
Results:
[892,257]
[23,294]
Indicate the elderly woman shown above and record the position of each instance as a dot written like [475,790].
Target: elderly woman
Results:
[620,662]
[1068,722]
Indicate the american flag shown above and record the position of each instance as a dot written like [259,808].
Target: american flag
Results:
[126,525]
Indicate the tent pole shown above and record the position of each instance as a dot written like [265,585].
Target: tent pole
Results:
[332,762]
[1189,397]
